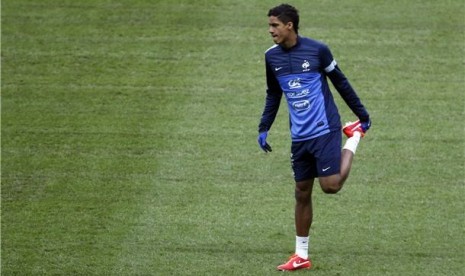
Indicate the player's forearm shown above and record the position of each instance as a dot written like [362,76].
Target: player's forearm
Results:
[348,94]
[270,111]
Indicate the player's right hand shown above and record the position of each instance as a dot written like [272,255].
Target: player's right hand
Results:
[262,141]
[365,125]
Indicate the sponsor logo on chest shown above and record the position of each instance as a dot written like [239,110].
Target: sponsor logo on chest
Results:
[294,84]
[301,105]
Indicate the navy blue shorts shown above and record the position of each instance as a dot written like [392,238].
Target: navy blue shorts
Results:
[320,156]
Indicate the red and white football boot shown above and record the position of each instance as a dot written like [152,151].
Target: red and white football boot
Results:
[294,263]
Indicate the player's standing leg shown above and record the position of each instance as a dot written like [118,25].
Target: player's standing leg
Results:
[303,221]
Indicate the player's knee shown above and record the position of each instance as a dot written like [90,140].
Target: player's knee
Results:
[331,189]
[331,184]
[302,195]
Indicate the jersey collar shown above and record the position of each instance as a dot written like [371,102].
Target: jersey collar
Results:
[297,44]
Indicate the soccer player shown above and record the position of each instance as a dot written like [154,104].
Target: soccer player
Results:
[299,67]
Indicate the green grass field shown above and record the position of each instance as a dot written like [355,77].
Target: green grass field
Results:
[129,140]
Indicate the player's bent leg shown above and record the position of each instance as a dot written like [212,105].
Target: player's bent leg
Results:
[333,183]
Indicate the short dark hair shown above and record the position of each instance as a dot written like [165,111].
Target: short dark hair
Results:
[286,13]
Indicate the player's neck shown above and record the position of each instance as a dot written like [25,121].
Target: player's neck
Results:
[290,42]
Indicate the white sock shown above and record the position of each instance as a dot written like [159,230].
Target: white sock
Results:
[301,246]
[352,142]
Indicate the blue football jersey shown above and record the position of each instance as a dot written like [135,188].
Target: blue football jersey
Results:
[300,74]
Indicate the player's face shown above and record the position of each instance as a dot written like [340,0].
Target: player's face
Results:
[279,31]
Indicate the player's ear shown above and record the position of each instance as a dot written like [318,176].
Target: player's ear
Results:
[290,25]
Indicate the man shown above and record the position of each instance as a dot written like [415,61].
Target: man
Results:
[298,67]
